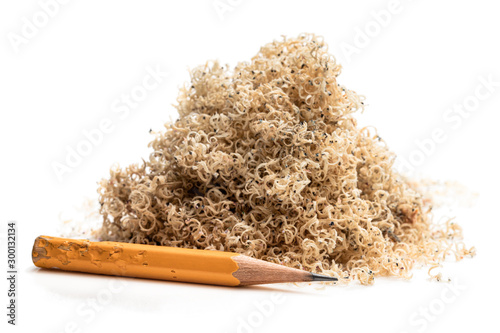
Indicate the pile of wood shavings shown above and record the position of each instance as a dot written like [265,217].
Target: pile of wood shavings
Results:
[267,160]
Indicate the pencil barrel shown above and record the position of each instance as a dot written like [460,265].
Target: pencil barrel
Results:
[136,260]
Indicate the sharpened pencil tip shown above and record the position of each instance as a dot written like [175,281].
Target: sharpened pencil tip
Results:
[317,277]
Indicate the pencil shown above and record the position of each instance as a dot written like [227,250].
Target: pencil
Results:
[163,263]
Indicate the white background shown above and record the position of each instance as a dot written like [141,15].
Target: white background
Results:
[65,78]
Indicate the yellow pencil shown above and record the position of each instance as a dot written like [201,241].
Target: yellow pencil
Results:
[163,263]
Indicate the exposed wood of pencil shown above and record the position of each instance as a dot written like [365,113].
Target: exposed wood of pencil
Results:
[163,263]
[253,271]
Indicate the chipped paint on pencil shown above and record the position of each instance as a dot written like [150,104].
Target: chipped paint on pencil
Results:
[136,260]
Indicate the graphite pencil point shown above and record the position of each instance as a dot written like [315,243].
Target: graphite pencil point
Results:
[318,277]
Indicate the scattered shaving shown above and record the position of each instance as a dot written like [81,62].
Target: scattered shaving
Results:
[449,194]
[267,160]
